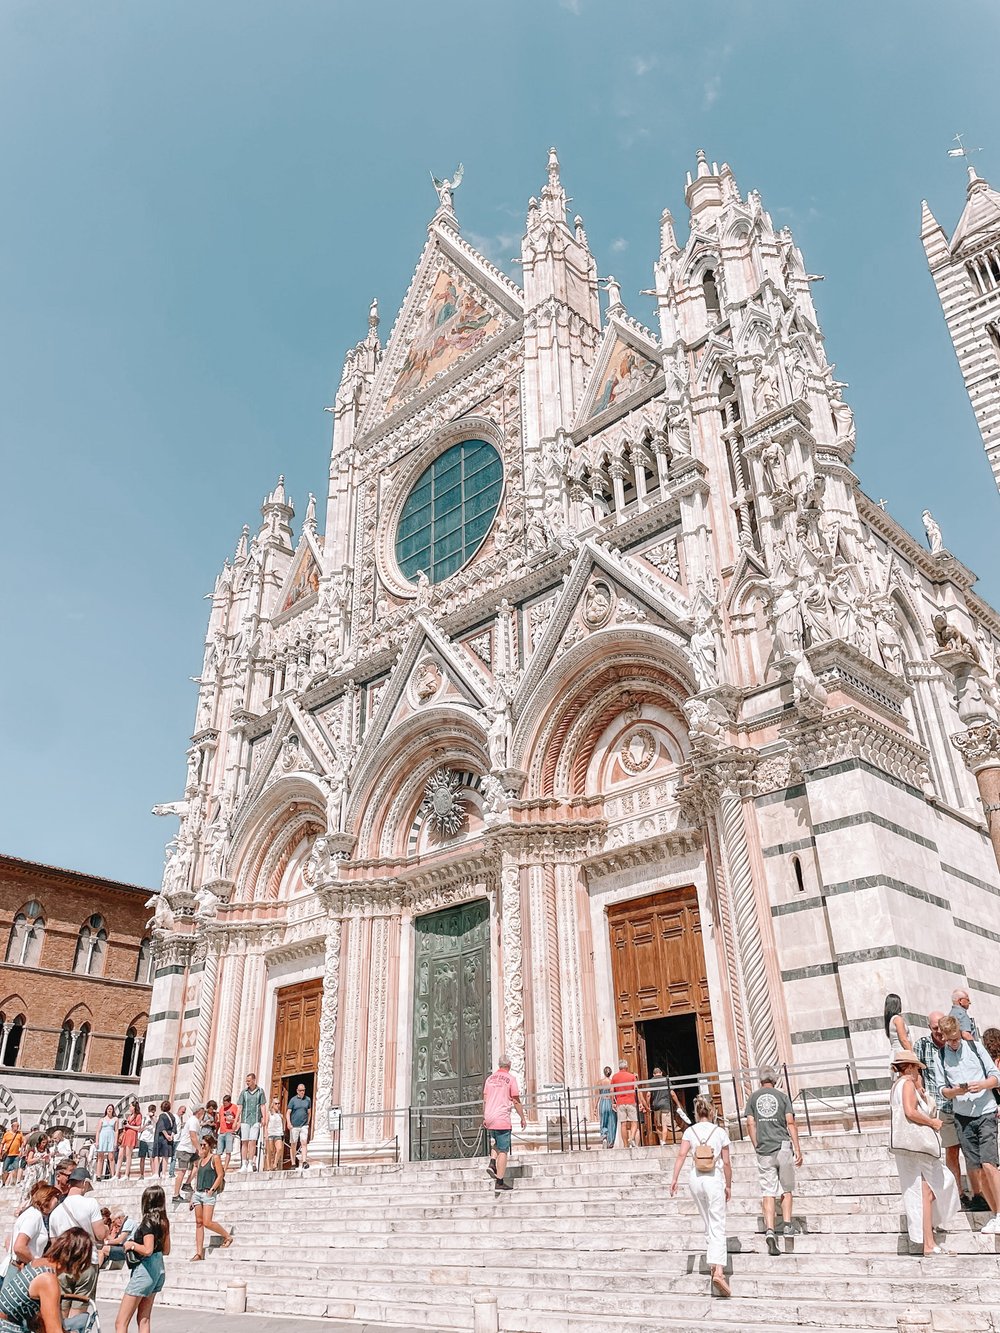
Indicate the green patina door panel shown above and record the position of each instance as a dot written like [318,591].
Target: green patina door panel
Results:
[451,1029]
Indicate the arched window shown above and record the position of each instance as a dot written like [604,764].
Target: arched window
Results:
[24,945]
[10,1042]
[79,1054]
[132,1053]
[64,1050]
[711,292]
[144,963]
[90,947]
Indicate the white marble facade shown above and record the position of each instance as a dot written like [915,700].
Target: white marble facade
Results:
[688,651]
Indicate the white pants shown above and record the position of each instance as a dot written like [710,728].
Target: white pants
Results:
[709,1193]
[914,1168]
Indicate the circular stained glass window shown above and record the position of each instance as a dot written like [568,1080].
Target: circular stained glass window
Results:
[448,512]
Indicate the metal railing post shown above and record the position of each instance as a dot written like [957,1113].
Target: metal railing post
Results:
[562,1139]
[736,1100]
[854,1102]
[788,1086]
[805,1107]
[420,1130]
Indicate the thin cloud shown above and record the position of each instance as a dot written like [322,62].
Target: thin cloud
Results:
[642,65]
[712,87]
[573,6]
[619,245]
[499,248]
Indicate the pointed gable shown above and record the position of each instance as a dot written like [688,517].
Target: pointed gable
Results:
[302,580]
[456,305]
[626,366]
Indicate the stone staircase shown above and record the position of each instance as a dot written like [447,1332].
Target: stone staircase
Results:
[586,1240]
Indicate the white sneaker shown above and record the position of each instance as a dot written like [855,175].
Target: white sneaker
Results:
[992,1227]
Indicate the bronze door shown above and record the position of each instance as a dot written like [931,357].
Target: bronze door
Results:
[658,970]
[451,1029]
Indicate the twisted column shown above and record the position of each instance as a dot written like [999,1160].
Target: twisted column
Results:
[206,1015]
[751,945]
[511,965]
[330,1007]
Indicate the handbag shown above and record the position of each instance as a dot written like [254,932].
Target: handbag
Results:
[905,1136]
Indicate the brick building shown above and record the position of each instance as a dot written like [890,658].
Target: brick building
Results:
[74,993]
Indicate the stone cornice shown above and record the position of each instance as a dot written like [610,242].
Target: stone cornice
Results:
[848,733]
[838,665]
[648,851]
[941,568]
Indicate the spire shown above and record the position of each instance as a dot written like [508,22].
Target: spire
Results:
[933,236]
[703,163]
[277,496]
[309,522]
[705,190]
[668,241]
[553,195]
[241,546]
[981,212]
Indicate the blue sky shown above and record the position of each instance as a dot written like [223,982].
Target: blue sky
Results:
[200,201]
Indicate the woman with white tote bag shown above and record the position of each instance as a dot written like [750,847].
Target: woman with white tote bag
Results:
[930,1198]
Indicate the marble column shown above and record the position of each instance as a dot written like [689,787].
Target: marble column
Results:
[511,962]
[573,975]
[546,993]
[232,1008]
[322,1144]
[979,746]
[206,1019]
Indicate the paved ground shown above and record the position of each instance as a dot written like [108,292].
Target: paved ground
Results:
[167,1320]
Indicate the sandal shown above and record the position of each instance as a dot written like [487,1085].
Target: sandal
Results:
[721,1287]
[197,1258]
[227,1242]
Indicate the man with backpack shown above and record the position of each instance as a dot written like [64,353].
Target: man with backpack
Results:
[774,1134]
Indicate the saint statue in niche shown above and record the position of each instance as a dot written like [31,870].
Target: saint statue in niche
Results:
[597,602]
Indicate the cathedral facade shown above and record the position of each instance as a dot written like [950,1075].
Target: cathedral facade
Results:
[604,717]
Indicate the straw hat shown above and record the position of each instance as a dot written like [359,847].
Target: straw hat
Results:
[907,1058]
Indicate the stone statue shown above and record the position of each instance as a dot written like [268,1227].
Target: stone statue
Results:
[705,647]
[498,734]
[423,591]
[319,865]
[678,429]
[809,513]
[888,640]
[772,458]
[950,637]
[597,605]
[707,719]
[193,769]
[428,681]
[810,696]
[787,616]
[613,288]
[797,373]
[766,393]
[217,843]
[817,611]
[844,601]
[933,529]
[162,919]
[446,188]
[208,903]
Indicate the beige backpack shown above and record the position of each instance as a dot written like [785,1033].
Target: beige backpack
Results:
[704,1155]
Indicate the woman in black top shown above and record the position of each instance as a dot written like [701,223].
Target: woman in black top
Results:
[144,1251]
[209,1182]
[163,1141]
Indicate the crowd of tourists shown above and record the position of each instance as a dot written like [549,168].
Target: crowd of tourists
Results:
[943,1100]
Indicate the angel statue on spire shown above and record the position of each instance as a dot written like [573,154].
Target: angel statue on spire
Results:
[447,187]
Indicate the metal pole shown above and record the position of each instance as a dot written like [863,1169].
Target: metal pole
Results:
[409,1133]
[562,1140]
[420,1130]
[736,1099]
[805,1107]
[854,1103]
[788,1086]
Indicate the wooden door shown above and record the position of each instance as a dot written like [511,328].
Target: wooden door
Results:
[296,1034]
[451,1029]
[658,970]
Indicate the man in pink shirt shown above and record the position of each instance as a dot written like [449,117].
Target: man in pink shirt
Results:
[500,1093]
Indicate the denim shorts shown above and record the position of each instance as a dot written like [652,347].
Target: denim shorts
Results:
[226,1142]
[500,1139]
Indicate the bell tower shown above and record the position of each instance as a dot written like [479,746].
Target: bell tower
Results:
[966,273]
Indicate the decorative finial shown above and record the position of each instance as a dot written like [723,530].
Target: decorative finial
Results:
[310,519]
[446,188]
[241,545]
[553,168]
[703,163]
[581,234]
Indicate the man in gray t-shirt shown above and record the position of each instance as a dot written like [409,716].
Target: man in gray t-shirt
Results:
[775,1136]
[297,1123]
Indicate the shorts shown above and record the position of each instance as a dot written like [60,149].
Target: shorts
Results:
[977,1137]
[147,1278]
[949,1134]
[184,1159]
[85,1285]
[275,1138]
[776,1171]
[299,1134]
[226,1142]
[145,1150]
[628,1113]
[249,1133]
[199,1196]
[11,1164]
[500,1138]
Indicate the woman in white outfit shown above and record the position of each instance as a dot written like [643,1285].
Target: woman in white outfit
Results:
[710,1180]
[929,1195]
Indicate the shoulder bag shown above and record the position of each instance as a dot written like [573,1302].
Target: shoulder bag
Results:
[905,1136]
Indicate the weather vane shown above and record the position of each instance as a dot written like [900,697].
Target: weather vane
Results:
[962,151]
